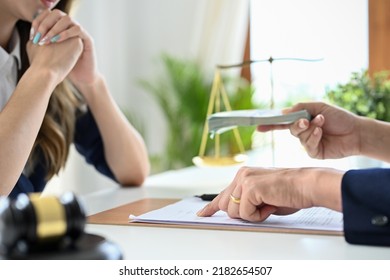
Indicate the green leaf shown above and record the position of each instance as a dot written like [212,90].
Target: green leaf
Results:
[364,95]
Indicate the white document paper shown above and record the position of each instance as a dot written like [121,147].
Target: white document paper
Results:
[184,212]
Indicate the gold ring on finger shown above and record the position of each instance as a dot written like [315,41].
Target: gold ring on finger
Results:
[235,199]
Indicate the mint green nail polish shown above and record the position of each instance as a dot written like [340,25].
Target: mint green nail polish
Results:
[55,38]
[37,37]
[37,13]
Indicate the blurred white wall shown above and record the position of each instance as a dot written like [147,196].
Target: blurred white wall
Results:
[130,36]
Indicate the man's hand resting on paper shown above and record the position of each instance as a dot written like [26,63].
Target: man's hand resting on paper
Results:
[256,193]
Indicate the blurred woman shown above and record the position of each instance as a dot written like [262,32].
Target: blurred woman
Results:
[52,95]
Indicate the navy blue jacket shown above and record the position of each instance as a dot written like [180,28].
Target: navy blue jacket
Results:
[88,142]
[366,206]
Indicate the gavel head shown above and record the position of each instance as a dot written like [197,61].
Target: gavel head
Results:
[32,222]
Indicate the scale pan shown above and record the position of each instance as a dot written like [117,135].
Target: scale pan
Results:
[204,161]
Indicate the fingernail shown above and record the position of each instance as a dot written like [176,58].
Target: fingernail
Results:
[318,119]
[55,38]
[199,213]
[302,124]
[37,37]
[32,33]
[316,131]
[37,14]
[43,41]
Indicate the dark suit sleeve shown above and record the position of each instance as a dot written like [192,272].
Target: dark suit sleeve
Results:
[89,143]
[366,206]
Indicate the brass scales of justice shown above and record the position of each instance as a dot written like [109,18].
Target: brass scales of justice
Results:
[218,94]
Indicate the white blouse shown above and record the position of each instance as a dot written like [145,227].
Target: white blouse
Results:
[9,65]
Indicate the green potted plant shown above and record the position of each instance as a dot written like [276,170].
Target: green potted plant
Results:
[364,95]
